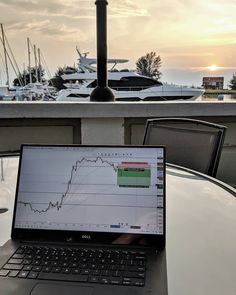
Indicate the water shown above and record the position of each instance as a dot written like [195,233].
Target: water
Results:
[222,97]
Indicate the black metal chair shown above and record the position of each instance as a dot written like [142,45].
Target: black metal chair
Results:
[189,143]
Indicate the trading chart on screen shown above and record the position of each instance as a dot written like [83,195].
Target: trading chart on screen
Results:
[91,189]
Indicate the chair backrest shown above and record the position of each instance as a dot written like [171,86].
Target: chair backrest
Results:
[190,143]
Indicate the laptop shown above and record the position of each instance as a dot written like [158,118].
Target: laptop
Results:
[87,220]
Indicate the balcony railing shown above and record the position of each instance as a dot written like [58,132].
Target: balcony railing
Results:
[108,123]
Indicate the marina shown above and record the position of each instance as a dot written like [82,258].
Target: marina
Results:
[126,85]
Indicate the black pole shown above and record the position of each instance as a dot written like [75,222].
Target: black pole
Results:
[102,92]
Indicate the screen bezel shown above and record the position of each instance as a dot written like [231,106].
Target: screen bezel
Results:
[69,236]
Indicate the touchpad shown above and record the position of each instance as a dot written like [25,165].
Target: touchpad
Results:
[60,289]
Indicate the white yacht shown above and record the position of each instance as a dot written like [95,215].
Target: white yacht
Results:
[31,91]
[126,85]
[35,91]
[4,93]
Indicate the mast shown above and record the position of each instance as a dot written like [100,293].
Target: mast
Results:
[40,67]
[24,74]
[5,55]
[36,67]
[30,76]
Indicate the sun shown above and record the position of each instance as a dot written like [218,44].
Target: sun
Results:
[213,68]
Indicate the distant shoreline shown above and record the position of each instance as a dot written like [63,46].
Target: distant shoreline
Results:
[219,91]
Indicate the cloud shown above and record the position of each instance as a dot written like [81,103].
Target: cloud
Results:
[65,20]
[49,7]
[127,8]
[185,33]
[50,29]
[76,9]
[34,6]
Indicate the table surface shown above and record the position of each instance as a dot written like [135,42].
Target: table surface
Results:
[201,224]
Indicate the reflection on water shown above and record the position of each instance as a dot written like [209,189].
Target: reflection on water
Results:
[221,97]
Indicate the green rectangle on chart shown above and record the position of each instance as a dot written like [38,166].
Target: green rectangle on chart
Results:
[134,177]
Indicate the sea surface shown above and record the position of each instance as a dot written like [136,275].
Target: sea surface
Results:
[221,97]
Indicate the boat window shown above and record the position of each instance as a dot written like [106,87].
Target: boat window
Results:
[132,83]
[129,83]
[77,95]
[139,81]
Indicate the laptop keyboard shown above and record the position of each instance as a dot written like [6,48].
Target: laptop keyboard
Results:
[118,266]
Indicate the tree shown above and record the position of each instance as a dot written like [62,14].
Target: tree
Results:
[59,72]
[149,64]
[25,77]
[65,70]
[232,84]
[57,80]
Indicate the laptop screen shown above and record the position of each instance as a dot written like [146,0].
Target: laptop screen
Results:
[109,189]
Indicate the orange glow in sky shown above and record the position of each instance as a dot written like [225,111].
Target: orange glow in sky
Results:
[188,41]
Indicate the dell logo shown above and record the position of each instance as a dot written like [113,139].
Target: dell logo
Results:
[88,237]
[69,239]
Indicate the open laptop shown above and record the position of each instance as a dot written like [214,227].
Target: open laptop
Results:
[87,220]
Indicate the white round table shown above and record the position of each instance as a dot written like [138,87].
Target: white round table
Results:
[201,230]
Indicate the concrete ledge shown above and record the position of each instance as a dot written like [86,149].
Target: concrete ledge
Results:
[109,123]
[115,109]
[102,131]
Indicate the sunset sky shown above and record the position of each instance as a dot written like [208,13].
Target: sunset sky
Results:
[189,35]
